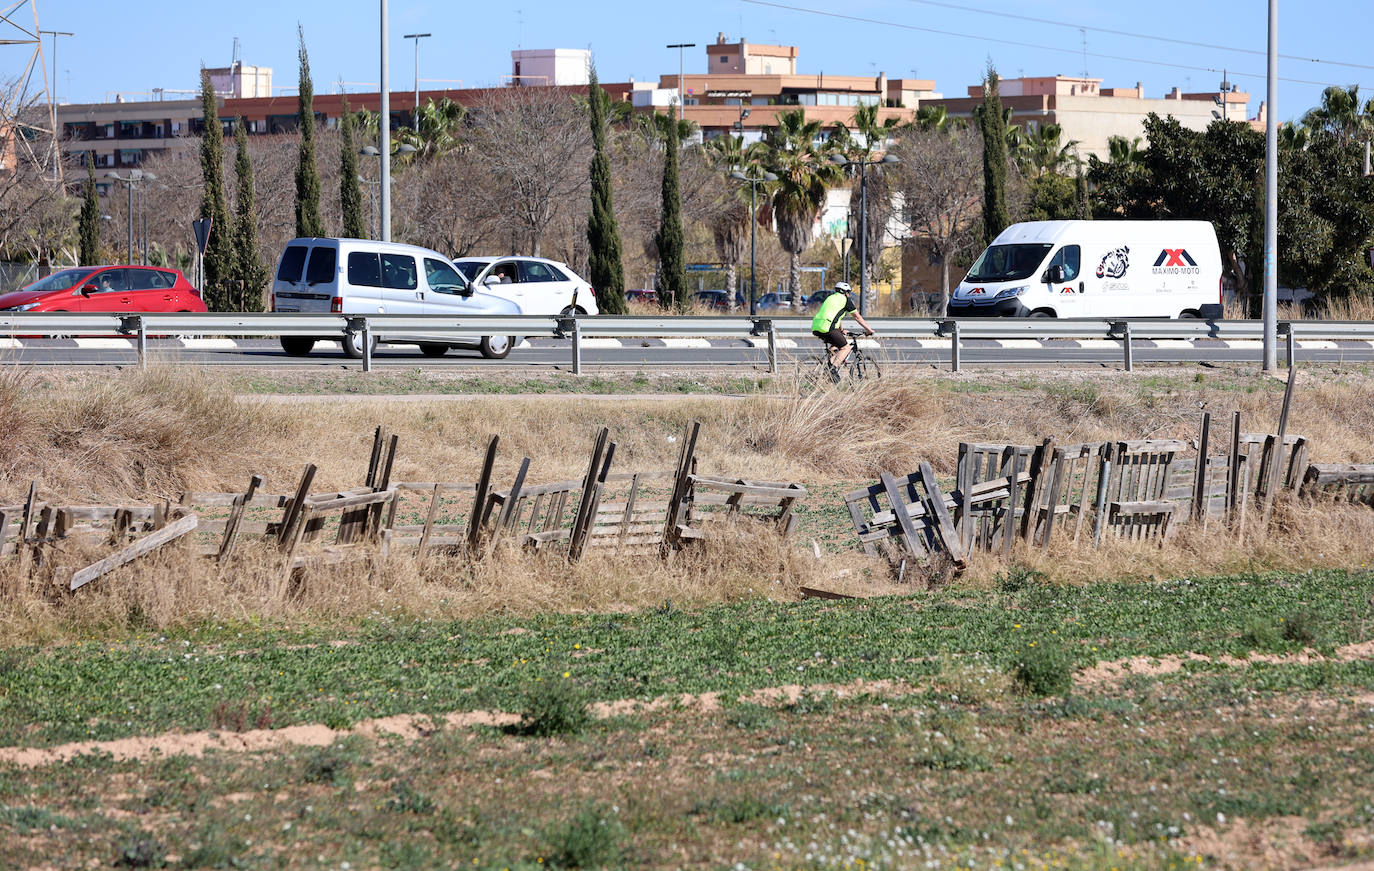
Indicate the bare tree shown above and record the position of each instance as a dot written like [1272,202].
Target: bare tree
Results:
[442,204]
[536,145]
[940,182]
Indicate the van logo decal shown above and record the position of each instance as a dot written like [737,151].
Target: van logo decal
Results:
[976,290]
[1114,263]
[1175,261]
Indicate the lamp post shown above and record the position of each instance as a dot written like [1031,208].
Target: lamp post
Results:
[753,228]
[134,177]
[384,132]
[371,202]
[415,117]
[384,220]
[739,125]
[863,165]
[680,46]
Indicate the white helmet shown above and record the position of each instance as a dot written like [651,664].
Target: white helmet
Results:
[842,286]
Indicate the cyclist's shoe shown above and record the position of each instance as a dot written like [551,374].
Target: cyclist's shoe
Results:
[833,372]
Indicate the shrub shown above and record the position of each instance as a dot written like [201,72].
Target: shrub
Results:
[591,839]
[1043,670]
[329,765]
[1017,578]
[1261,634]
[557,706]
[140,852]
[1300,627]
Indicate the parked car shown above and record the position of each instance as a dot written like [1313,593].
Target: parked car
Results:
[538,286]
[645,295]
[776,301]
[815,299]
[713,299]
[357,276]
[107,289]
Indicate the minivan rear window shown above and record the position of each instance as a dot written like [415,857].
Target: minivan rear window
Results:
[291,262]
[323,264]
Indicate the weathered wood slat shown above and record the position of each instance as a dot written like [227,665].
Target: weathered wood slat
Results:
[182,525]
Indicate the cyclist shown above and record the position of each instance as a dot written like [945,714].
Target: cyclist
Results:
[826,325]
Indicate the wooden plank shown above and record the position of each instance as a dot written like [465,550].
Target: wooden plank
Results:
[479,501]
[1200,473]
[341,503]
[1041,460]
[585,520]
[963,483]
[25,521]
[231,530]
[906,528]
[184,522]
[295,506]
[1013,479]
[681,487]
[813,593]
[434,500]
[944,523]
[376,520]
[512,502]
[629,507]
[1052,502]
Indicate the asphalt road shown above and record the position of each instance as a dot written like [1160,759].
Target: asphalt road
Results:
[681,353]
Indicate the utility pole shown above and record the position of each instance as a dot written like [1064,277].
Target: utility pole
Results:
[1271,198]
[415,116]
[52,109]
[384,129]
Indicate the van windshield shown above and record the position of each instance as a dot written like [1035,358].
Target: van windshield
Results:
[1009,262]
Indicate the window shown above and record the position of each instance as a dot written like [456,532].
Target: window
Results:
[1067,257]
[322,267]
[1008,262]
[723,59]
[398,272]
[471,268]
[364,269]
[557,274]
[112,281]
[292,260]
[535,271]
[442,278]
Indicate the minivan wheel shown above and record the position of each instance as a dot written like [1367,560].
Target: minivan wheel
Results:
[429,349]
[496,347]
[353,344]
[1041,313]
[297,346]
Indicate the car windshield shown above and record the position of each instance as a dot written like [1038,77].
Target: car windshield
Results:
[1008,262]
[64,280]
[470,269]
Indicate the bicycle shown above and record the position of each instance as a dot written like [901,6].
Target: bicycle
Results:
[856,367]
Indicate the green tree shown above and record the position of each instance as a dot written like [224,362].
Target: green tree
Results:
[672,265]
[250,276]
[804,176]
[1051,197]
[606,267]
[1082,205]
[90,218]
[993,125]
[308,220]
[219,254]
[350,194]
[1326,217]
[440,131]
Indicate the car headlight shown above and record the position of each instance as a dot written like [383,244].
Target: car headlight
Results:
[1011,292]
[23,308]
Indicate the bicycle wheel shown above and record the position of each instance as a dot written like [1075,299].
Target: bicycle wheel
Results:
[866,367]
[817,371]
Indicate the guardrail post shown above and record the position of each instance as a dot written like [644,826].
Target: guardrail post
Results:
[577,346]
[772,349]
[367,345]
[1288,342]
[954,363]
[1130,351]
[142,344]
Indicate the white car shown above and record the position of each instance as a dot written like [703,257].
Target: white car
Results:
[537,285]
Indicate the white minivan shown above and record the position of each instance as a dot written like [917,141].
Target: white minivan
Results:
[1095,269]
[358,276]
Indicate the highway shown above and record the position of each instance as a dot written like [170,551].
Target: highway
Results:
[670,353]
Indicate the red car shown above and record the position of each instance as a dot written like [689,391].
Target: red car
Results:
[107,289]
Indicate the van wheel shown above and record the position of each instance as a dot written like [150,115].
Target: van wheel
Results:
[297,346]
[353,344]
[430,349]
[1190,314]
[496,347]
[1041,313]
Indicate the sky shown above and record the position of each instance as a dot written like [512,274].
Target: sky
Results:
[135,46]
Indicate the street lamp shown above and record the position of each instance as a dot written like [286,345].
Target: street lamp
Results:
[680,46]
[753,227]
[739,125]
[135,176]
[863,165]
[371,201]
[417,37]
[385,217]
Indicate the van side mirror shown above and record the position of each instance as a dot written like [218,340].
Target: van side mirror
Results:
[1055,274]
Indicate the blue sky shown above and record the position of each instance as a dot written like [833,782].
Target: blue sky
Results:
[135,46]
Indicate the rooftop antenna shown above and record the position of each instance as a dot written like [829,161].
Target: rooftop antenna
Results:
[519,29]
[1084,34]
[235,59]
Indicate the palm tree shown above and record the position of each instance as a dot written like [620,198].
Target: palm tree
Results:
[1041,151]
[1341,115]
[440,130]
[730,218]
[1123,150]
[804,176]
[875,135]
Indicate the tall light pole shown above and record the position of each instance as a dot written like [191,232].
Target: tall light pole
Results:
[1271,198]
[52,109]
[417,37]
[384,128]
[753,228]
[134,177]
[680,46]
[863,165]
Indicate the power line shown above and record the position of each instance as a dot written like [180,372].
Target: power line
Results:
[1020,44]
[1165,39]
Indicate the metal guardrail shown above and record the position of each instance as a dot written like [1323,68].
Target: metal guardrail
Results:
[384,327]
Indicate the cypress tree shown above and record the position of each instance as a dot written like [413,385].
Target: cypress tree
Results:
[308,220]
[606,269]
[672,290]
[1082,206]
[994,128]
[90,218]
[350,195]
[219,260]
[249,274]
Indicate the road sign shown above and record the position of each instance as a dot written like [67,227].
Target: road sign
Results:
[201,226]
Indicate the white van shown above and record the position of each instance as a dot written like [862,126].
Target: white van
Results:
[357,276]
[1095,269]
